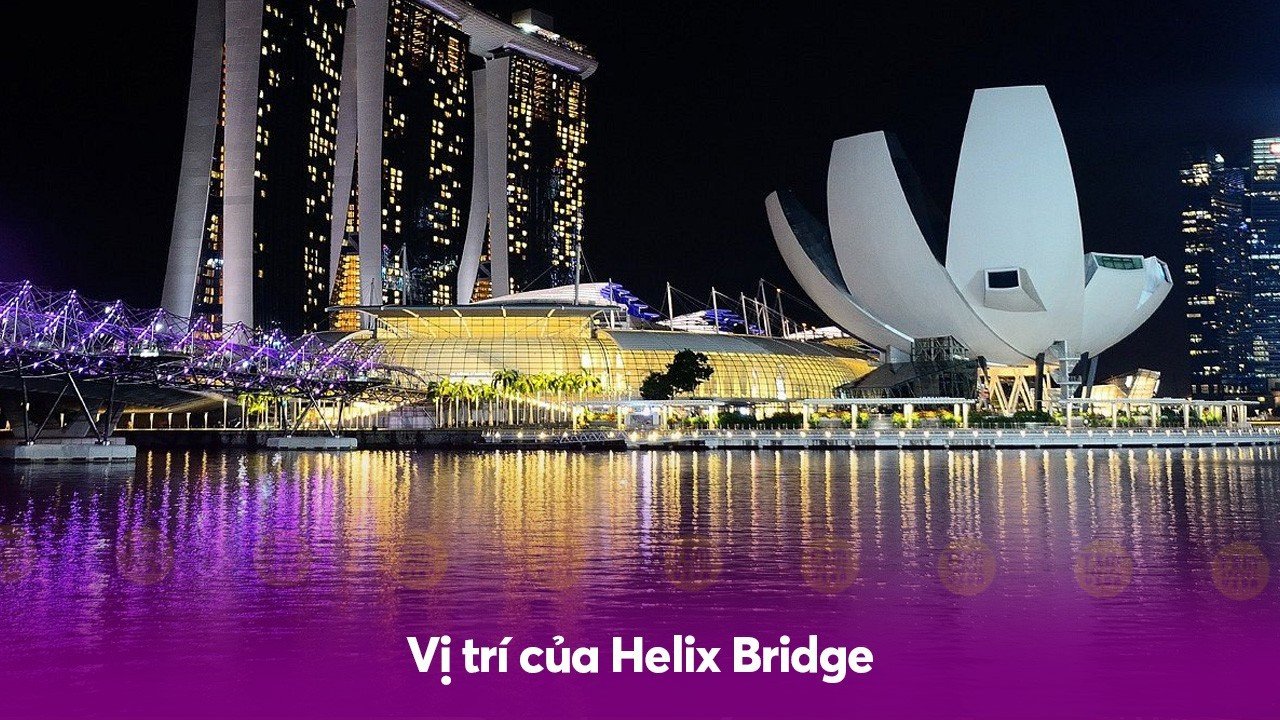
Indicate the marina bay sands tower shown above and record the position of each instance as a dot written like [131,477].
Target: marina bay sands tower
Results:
[381,152]
[251,224]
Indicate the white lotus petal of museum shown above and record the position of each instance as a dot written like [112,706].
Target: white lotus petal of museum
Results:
[1016,279]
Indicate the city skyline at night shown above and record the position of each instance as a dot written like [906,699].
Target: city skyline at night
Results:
[575,359]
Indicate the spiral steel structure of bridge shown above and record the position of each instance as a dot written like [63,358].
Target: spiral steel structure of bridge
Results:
[99,357]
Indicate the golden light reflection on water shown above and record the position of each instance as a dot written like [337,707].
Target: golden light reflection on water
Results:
[547,533]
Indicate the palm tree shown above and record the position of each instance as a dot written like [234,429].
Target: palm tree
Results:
[486,394]
[503,383]
[524,392]
[505,379]
[560,384]
[449,394]
[478,393]
[542,385]
[585,383]
[522,387]
[580,383]
[433,394]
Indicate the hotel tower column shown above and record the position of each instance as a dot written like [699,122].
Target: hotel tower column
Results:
[243,50]
[197,154]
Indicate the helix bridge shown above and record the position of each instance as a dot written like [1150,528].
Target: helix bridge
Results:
[60,350]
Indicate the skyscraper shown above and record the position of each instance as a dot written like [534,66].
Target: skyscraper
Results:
[1231,220]
[1263,209]
[251,233]
[424,149]
[531,126]
[404,148]
[325,137]
[1216,246]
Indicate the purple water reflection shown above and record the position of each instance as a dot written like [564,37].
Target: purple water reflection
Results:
[988,584]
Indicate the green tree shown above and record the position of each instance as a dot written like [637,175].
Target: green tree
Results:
[688,370]
[656,387]
[505,379]
[584,382]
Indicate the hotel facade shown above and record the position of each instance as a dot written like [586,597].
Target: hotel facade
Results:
[404,152]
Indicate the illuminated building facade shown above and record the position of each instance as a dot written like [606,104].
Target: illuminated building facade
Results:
[525,226]
[1263,207]
[461,128]
[346,291]
[469,344]
[1216,242]
[532,228]
[1231,221]
[252,226]
[425,149]
[405,143]
[346,273]
[319,128]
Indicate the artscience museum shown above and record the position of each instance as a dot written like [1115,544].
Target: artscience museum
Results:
[1015,285]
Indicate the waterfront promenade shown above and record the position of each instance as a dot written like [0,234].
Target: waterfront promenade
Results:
[1054,437]
[608,439]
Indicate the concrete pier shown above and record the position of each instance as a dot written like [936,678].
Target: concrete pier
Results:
[68,451]
[387,439]
[311,442]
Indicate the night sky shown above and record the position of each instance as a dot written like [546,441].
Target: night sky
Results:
[698,111]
